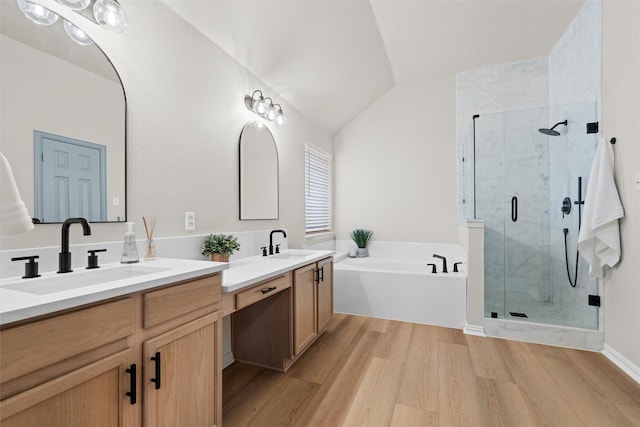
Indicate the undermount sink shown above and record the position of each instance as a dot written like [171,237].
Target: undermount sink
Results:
[288,256]
[80,279]
[294,254]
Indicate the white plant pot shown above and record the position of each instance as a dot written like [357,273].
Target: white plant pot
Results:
[362,252]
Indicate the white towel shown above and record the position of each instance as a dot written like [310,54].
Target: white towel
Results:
[599,238]
[14,218]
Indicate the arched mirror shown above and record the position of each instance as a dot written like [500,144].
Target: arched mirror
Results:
[258,173]
[62,123]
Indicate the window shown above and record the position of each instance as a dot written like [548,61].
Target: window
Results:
[317,173]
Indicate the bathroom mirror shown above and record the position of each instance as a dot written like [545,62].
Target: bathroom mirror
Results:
[62,122]
[258,173]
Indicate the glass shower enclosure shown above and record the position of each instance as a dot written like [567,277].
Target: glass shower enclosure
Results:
[529,189]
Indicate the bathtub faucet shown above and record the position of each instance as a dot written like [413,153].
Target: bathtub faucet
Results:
[271,239]
[444,262]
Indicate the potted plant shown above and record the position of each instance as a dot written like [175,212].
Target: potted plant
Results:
[361,237]
[219,247]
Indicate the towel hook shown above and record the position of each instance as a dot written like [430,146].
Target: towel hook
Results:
[613,140]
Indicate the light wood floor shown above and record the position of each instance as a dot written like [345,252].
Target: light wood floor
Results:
[372,372]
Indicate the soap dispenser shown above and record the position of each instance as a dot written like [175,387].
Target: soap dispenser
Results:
[130,250]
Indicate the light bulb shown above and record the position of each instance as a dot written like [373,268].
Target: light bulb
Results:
[280,119]
[76,34]
[271,114]
[260,106]
[110,15]
[37,13]
[75,4]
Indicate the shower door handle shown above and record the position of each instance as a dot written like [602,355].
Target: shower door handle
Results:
[514,209]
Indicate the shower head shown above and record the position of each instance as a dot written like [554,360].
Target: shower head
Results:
[552,132]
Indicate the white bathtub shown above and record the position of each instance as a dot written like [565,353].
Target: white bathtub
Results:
[400,289]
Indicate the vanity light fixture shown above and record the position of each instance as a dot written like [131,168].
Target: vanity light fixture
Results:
[106,13]
[265,108]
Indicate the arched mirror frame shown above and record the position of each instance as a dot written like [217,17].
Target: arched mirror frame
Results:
[258,173]
[57,32]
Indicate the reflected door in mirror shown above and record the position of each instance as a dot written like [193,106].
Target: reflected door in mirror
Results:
[70,179]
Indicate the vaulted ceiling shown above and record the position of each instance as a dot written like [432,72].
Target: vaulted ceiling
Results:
[332,58]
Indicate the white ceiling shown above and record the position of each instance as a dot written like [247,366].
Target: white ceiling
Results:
[333,58]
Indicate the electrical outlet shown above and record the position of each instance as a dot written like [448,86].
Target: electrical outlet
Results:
[189,221]
[116,201]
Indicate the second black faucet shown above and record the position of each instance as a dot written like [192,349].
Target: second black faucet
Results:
[271,239]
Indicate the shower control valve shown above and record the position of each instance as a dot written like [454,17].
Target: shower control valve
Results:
[566,206]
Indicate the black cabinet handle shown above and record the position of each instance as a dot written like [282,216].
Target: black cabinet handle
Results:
[156,380]
[267,290]
[321,274]
[132,384]
[316,274]
[514,209]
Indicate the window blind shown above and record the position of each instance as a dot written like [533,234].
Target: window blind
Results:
[317,190]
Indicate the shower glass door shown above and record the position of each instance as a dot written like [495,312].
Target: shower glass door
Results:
[521,179]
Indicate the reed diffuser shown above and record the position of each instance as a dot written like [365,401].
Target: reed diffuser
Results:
[149,227]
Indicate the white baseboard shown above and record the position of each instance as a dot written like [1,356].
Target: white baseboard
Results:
[227,359]
[622,362]
[474,330]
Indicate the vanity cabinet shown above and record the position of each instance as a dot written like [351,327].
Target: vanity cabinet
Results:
[181,370]
[325,293]
[94,366]
[68,369]
[312,302]
[275,320]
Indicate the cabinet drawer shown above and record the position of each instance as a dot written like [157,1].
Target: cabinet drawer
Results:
[262,291]
[168,303]
[33,346]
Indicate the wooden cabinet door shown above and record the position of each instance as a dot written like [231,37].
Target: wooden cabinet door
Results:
[92,396]
[304,308]
[325,293]
[187,385]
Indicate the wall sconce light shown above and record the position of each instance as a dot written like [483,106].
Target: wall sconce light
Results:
[106,13]
[265,108]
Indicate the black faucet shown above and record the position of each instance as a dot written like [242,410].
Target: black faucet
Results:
[64,257]
[444,262]
[271,239]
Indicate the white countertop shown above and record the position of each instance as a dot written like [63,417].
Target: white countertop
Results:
[248,271]
[18,305]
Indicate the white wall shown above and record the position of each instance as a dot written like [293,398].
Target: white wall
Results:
[621,113]
[185,113]
[395,166]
